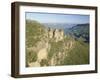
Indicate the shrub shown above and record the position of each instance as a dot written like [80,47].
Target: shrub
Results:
[31,56]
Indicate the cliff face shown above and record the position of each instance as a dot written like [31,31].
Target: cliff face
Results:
[50,47]
[56,34]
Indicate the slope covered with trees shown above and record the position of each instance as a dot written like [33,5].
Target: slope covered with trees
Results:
[42,50]
[80,31]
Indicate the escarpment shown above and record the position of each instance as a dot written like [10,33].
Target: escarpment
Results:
[47,46]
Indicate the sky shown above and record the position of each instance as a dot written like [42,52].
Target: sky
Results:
[57,18]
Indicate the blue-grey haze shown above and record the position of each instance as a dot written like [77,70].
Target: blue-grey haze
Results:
[57,18]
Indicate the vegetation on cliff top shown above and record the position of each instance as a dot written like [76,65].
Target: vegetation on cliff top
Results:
[69,51]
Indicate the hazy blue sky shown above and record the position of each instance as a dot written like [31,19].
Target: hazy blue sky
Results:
[57,18]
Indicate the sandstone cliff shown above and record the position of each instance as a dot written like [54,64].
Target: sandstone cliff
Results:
[51,47]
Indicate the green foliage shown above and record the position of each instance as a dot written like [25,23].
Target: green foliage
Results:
[55,48]
[31,56]
[81,30]
[78,55]
[44,62]
[34,32]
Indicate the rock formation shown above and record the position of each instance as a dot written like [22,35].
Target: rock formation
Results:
[56,34]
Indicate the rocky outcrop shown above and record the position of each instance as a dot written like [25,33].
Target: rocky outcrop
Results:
[43,47]
[48,45]
[56,34]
